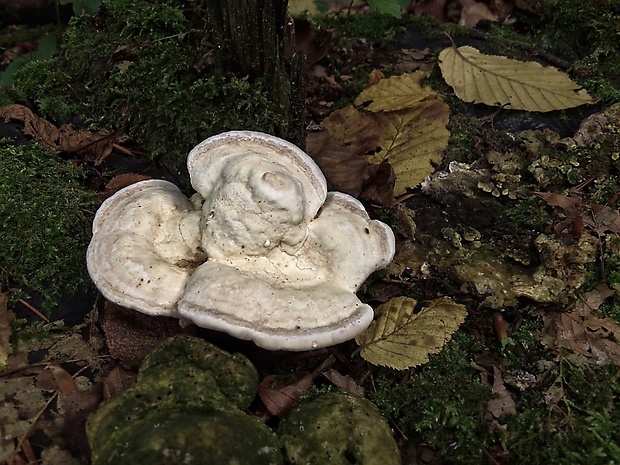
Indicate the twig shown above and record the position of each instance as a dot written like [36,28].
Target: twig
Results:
[44,364]
[33,310]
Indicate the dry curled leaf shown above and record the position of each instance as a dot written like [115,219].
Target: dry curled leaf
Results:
[344,170]
[63,381]
[411,141]
[345,382]
[120,181]
[501,81]
[279,397]
[400,338]
[501,402]
[94,146]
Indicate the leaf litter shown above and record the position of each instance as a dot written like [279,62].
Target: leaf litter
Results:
[588,337]
[87,145]
[362,160]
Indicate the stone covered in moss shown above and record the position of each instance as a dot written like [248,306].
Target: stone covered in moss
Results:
[185,406]
[193,370]
[337,428]
[211,436]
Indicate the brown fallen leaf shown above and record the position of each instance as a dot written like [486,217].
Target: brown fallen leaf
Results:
[435,8]
[374,77]
[55,377]
[604,219]
[344,170]
[279,398]
[411,140]
[379,187]
[401,338]
[131,335]
[501,402]
[472,12]
[396,93]
[88,145]
[354,129]
[600,219]
[75,409]
[570,205]
[118,182]
[591,338]
[118,380]
[313,43]
[345,382]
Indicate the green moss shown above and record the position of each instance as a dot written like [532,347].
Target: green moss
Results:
[371,25]
[337,428]
[465,130]
[185,406]
[144,68]
[571,418]
[528,214]
[585,32]
[576,28]
[47,87]
[44,221]
[460,145]
[443,403]
[564,413]
[611,308]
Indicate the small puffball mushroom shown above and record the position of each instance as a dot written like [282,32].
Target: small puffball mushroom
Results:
[262,251]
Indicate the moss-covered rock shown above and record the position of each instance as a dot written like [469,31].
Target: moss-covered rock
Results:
[337,429]
[193,370]
[212,436]
[186,405]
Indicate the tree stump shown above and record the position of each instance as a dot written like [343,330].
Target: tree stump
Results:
[256,39]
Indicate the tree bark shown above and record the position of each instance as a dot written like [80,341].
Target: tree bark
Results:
[256,39]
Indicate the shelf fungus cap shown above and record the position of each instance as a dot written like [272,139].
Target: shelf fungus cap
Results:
[262,251]
[145,246]
[260,192]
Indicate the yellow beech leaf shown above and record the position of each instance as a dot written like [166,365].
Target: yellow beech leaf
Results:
[412,141]
[400,338]
[396,93]
[500,81]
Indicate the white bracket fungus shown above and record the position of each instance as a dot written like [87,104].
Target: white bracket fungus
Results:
[261,251]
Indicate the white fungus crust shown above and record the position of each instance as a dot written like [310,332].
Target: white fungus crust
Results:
[262,251]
